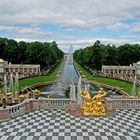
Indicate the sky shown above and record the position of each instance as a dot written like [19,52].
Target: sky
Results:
[71,22]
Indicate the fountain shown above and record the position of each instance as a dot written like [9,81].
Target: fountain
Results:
[58,89]
[79,98]
[133,92]
[11,83]
[87,87]
[61,88]
[16,85]
[72,92]
[5,85]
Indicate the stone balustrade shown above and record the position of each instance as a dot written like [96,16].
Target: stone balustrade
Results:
[32,104]
[111,104]
[17,110]
[126,104]
[119,103]
[54,103]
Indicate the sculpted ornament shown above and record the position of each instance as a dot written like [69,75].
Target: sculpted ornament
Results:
[93,106]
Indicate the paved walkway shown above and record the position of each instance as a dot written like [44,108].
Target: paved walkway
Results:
[59,125]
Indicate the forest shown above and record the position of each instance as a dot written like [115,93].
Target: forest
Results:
[98,54]
[46,54]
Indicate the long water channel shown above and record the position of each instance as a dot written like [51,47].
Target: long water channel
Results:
[69,75]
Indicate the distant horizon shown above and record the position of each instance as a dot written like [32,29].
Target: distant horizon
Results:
[77,45]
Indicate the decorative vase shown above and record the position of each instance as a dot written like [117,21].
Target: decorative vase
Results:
[36,93]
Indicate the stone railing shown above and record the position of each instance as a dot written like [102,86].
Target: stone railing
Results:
[121,103]
[17,110]
[32,104]
[126,104]
[54,103]
[111,105]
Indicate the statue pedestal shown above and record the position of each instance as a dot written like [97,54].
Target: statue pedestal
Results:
[4,115]
[74,109]
[110,111]
[35,105]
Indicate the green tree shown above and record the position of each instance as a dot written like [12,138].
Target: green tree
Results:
[109,55]
[22,51]
[11,52]
[128,54]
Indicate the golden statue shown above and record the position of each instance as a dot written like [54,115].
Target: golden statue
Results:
[93,106]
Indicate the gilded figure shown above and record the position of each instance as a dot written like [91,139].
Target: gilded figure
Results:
[93,106]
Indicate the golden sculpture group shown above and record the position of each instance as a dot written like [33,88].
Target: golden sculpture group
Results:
[93,106]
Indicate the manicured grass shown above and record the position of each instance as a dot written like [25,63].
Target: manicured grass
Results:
[40,79]
[120,84]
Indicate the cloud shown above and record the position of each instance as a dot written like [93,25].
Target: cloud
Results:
[82,43]
[135,28]
[7,28]
[29,32]
[24,19]
[80,14]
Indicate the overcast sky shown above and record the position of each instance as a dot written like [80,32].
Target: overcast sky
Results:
[77,22]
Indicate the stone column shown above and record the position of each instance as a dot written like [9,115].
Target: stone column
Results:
[27,69]
[35,105]
[117,71]
[32,69]
[4,114]
[110,111]
[109,71]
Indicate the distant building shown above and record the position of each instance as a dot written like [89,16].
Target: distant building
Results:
[20,68]
[137,67]
[118,70]
[124,70]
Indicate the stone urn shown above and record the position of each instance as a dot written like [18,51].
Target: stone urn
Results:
[9,98]
[4,100]
[21,97]
[16,100]
[36,93]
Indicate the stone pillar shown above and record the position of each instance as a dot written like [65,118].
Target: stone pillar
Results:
[109,107]
[18,69]
[35,104]
[4,114]
[113,71]
[117,71]
[32,69]
[74,109]
[131,71]
[108,71]
[28,106]
[27,69]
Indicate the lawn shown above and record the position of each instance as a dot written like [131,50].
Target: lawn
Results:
[40,79]
[120,84]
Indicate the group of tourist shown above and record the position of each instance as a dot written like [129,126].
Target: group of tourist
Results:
[21,75]
[126,77]
[32,74]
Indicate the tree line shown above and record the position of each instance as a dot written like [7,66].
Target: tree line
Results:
[98,54]
[46,54]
